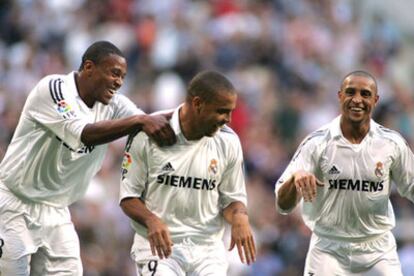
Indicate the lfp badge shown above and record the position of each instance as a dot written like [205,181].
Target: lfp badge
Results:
[126,163]
[65,109]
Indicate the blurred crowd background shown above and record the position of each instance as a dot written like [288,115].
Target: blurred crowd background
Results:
[287,59]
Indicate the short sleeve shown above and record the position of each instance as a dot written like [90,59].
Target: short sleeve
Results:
[232,187]
[303,159]
[53,106]
[402,170]
[134,167]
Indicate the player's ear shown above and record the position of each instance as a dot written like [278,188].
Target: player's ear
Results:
[197,102]
[88,67]
[376,98]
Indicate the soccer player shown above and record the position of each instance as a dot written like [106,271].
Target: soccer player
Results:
[182,194]
[343,172]
[58,146]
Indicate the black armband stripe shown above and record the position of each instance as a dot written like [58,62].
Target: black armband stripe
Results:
[130,140]
[59,81]
[64,144]
[52,94]
[55,89]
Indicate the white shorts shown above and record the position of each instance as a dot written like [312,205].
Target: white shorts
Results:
[374,257]
[36,239]
[187,259]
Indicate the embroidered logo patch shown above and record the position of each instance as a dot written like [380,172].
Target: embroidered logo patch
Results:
[379,170]
[213,166]
[63,107]
[126,163]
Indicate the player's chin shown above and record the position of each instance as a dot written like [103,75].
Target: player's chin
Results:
[357,119]
[212,132]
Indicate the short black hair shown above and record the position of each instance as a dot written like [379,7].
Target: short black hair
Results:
[99,50]
[360,73]
[208,84]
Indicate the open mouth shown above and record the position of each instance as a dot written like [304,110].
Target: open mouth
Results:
[356,109]
[112,91]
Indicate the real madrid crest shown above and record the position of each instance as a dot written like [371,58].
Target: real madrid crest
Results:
[379,170]
[212,168]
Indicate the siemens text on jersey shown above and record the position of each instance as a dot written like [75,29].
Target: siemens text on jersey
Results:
[356,185]
[186,182]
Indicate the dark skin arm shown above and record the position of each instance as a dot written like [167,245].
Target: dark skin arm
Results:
[158,233]
[156,127]
[300,184]
[241,234]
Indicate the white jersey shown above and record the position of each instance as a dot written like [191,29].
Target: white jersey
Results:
[354,203]
[188,184]
[46,161]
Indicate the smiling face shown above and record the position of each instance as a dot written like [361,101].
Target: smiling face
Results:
[213,114]
[106,77]
[358,97]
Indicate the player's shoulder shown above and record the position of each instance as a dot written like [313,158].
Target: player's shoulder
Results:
[55,85]
[228,138]
[137,141]
[50,88]
[227,133]
[391,135]
[319,136]
[164,111]
[315,142]
[228,142]
[52,79]
[141,136]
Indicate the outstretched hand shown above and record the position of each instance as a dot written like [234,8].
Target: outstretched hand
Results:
[306,184]
[242,238]
[158,128]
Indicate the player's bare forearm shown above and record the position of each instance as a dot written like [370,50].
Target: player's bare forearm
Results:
[241,233]
[287,196]
[136,210]
[156,127]
[158,233]
[109,130]
[301,184]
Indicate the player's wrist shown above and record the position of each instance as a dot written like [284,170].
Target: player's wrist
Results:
[142,120]
[151,219]
[240,218]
